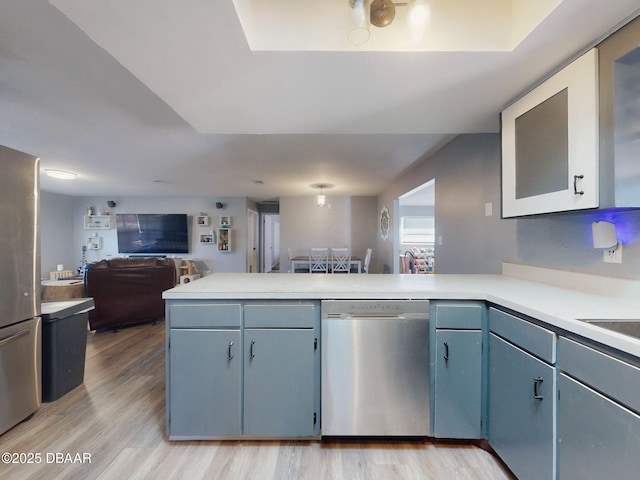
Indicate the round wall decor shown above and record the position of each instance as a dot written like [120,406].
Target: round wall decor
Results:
[384,223]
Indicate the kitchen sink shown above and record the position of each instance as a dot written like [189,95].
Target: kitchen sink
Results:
[629,327]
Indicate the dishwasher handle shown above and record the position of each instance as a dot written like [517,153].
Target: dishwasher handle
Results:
[374,316]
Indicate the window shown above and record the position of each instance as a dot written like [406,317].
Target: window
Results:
[417,230]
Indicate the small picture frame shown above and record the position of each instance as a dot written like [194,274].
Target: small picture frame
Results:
[202,220]
[225,221]
[207,238]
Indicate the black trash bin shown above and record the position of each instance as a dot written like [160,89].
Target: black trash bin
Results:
[64,345]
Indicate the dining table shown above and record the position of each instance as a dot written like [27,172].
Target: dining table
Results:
[302,261]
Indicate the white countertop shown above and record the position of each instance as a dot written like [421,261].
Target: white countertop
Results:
[558,306]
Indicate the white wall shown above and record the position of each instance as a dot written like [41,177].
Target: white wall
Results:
[344,222]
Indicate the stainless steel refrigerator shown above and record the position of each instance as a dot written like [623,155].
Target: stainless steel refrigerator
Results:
[20,330]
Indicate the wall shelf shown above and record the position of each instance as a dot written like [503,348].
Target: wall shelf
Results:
[97,222]
[94,243]
[224,239]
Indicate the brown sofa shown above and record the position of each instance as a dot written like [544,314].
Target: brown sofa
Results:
[128,291]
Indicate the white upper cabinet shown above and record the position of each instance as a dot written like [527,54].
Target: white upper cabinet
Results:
[550,144]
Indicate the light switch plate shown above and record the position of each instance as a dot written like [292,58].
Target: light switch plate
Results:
[488,209]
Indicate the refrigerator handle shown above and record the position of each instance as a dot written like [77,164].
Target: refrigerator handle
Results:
[14,337]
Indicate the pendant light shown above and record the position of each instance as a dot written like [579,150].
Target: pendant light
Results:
[322,199]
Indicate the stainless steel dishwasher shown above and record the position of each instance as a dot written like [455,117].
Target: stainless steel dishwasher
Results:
[375,368]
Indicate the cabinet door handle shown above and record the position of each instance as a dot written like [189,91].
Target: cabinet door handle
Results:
[536,386]
[230,354]
[446,351]
[251,354]
[575,185]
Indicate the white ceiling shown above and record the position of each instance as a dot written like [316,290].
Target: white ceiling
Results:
[158,97]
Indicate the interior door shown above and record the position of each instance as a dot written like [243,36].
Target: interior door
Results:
[252,241]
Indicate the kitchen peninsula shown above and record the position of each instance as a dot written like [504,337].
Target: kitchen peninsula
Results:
[219,327]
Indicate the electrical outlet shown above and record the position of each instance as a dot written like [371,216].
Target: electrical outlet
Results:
[613,255]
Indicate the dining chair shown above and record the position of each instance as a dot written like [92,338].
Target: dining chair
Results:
[297,267]
[367,259]
[319,260]
[340,260]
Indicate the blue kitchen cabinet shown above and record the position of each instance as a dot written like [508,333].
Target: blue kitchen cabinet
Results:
[278,383]
[522,396]
[458,380]
[205,383]
[204,371]
[598,414]
[245,370]
[282,369]
[458,369]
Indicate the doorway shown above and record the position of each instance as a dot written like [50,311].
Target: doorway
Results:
[270,253]
[414,226]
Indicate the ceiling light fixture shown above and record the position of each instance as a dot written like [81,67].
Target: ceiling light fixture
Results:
[359,31]
[322,198]
[60,174]
[382,13]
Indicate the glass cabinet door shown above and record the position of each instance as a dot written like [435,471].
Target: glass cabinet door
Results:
[550,144]
[619,117]
[626,130]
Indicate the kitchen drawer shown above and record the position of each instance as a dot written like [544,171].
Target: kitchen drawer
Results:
[205,315]
[534,339]
[269,315]
[614,378]
[458,315]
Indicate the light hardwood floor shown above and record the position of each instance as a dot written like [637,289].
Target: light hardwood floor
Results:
[117,417]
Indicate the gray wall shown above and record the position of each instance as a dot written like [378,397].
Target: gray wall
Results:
[344,222]
[63,233]
[565,242]
[467,173]
[349,222]
[56,232]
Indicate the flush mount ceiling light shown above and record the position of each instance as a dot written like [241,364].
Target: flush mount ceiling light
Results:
[60,174]
[382,13]
[322,199]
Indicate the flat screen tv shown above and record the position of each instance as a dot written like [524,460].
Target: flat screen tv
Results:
[152,233]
